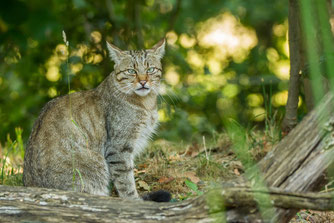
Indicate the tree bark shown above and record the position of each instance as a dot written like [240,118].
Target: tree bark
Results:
[295,51]
[19,204]
[296,164]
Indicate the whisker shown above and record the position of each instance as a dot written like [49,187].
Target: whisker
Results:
[160,96]
[171,99]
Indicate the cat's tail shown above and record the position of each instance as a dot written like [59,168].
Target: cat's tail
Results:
[158,196]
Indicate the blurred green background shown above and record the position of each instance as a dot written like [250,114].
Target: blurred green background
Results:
[225,59]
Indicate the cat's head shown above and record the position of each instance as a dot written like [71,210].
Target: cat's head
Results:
[138,71]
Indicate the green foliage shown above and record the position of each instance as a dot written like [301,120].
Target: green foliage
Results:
[34,67]
[192,186]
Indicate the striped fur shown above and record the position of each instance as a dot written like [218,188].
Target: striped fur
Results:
[95,135]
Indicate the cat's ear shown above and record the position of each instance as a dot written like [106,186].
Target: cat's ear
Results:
[159,48]
[115,53]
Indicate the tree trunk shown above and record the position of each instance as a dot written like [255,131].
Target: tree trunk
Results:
[295,51]
[296,164]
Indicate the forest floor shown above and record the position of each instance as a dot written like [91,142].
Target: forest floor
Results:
[186,170]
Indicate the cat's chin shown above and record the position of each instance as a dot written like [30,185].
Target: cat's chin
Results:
[143,91]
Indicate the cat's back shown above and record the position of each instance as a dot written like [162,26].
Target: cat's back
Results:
[76,111]
[77,115]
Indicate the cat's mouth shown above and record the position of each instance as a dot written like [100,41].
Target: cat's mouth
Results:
[142,88]
[142,91]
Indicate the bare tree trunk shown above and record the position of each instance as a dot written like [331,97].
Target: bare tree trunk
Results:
[295,50]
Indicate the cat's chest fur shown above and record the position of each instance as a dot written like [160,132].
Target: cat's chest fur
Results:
[131,128]
[144,130]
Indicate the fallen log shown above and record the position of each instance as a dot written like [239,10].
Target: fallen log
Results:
[19,204]
[295,166]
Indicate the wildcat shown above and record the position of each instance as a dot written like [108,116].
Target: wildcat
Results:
[84,140]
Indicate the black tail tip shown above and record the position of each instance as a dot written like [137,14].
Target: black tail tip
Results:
[158,196]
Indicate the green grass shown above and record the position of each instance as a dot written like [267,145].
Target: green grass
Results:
[11,160]
[211,161]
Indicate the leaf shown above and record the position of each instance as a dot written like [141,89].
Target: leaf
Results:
[236,172]
[139,171]
[236,165]
[144,185]
[79,4]
[200,192]
[192,176]
[191,185]
[175,158]
[143,166]
[192,150]
[165,180]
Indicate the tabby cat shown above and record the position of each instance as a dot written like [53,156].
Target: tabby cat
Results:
[84,140]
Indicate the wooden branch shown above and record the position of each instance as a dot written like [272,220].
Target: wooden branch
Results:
[19,204]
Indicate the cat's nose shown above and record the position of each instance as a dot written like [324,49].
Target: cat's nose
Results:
[143,82]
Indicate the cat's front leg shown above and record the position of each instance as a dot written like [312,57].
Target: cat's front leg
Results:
[121,170]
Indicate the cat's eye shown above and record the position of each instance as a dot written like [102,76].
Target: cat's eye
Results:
[151,70]
[131,71]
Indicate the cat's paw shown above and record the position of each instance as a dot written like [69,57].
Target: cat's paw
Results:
[158,196]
